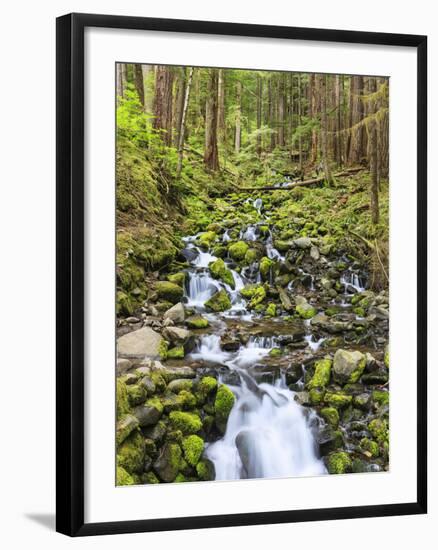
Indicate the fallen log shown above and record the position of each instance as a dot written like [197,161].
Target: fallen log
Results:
[319,179]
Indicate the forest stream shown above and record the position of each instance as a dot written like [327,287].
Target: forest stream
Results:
[269,360]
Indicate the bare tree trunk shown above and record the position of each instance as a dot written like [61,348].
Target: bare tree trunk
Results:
[211,157]
[238,121]
[120,81]
[314,111]
[281,109]
[146,69]
[338,121]
[300,139]
[356,151]
[259,113]
[180,91]
[324,138]
[221,104]
[138,80]
[372,138]
[182,127]
[163,102]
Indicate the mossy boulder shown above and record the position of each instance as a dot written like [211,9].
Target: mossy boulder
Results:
[205,387]
[149,478]
[331,416]
[219,270]
[123,478]
[125,426]
[265,267]
[168,463]
[321,378]
[175,353]
[197,322]
[338,463]
[205,470]
[137,394]
[122,402]
[131,453]
[220,301]
[222,406]
[381,397]
[207,239]
[251,256]
[188,423]
[193,447]
[338,400]
[255,293]
[348,366]
[386,357]
[149,413]
[180,384]
[369,447]
[316,396]
[170,292]
[305,310]
[237,251]
[177,278]
[271,310]
[125,305]
[379,430]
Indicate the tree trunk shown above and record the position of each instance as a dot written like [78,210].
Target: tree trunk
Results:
[281,110]
[300,139]
[373,154]
[163,102]
[120,81]
[182,127]
[238,121]
[324,138]
[314,112]
[221,104]
[259,113]
[138,80]
[211,157]
[180,91]
[356,149]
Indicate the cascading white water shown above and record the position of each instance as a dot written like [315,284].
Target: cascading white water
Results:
[258,203]
[200,288]
[351,280]
[250,233]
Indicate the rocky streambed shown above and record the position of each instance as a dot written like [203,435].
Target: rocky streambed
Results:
[261,353]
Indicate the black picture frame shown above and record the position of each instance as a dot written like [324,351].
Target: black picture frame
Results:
[70,273]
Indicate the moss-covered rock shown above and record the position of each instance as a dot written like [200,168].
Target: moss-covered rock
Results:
[265,267]
[338,400]
[255,293]
[122,402]
[159,381]
[205,387]
[379,430]
[123,478]
[305,310]
[222,406]
[207,239]
[369,447]
[386,357]
[131,453]
[321,378]
[180,384]
[125,426]
[338,463]
[271,310]
[237,251]
[331,416]
[193,447]
[220,301]
[188,423]
[177,278]
[125,305]
[175,353]
[197,322]
[205,470]
[168,291]
[149,478]
[167,464]
[187,400]
[348,366]
[381,397]
[137,394]
[219,270]
[316,396]
[251,256]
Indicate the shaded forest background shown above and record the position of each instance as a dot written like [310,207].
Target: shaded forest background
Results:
[188,136]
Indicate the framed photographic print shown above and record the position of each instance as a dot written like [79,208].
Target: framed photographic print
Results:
[241,274]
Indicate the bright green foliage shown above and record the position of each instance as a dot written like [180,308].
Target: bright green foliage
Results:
[131,452]
[175,353]
[379,430]
[123,478]
[219,301]
[265,267]
[219,270]
[177,278]
[205,470]
[331,416]
[169,291]
[381,397]
[369,446]
[271,310]
[337,400]
[223,404]
[188,423]
[321,378]
[338,463]
[256,293]
[237,251]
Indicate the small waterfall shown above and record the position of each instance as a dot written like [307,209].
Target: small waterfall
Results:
[314,346]
[200,288]
[250,234]
[272,252]
[226,236]
[350,280]
[258,203]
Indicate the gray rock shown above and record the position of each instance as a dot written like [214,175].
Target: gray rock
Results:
[302,397]
[126,425]
[362,401]
[179,384]
[147,415]
[285,300]
[173,373]
[167,464]
[294,373]
[148,384]
[314,253]
[138,344]
[123,365]
[348,366]
[176,313]
[246,445]
[177,336]
[302,242]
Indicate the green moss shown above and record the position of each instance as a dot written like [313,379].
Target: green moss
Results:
[220,301]
[251,256]
[316,396]
[207,239]
[197,322]
[193,447]
[305,310]
[386,357]
[275,352]
[205,470]
[379,430]
[219,251]
[205,387]
[158,380]
[237,251]
[381,397]
[256,293]
[370,447]
[169,291]
[123,478]
[149,478]
[162,349]
[181,478]
[156,404]
[136,394]
[321,378]
[338,400]
[188,423]
[271,310]
[177,278]
[331,416]
[338,463]
[359,311]
[265,267]
[122,399]
[131,453]
[222,406]
[124,304]
[219,270]
[175,353]
[186,399]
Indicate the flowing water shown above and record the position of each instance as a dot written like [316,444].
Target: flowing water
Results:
[268,433]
